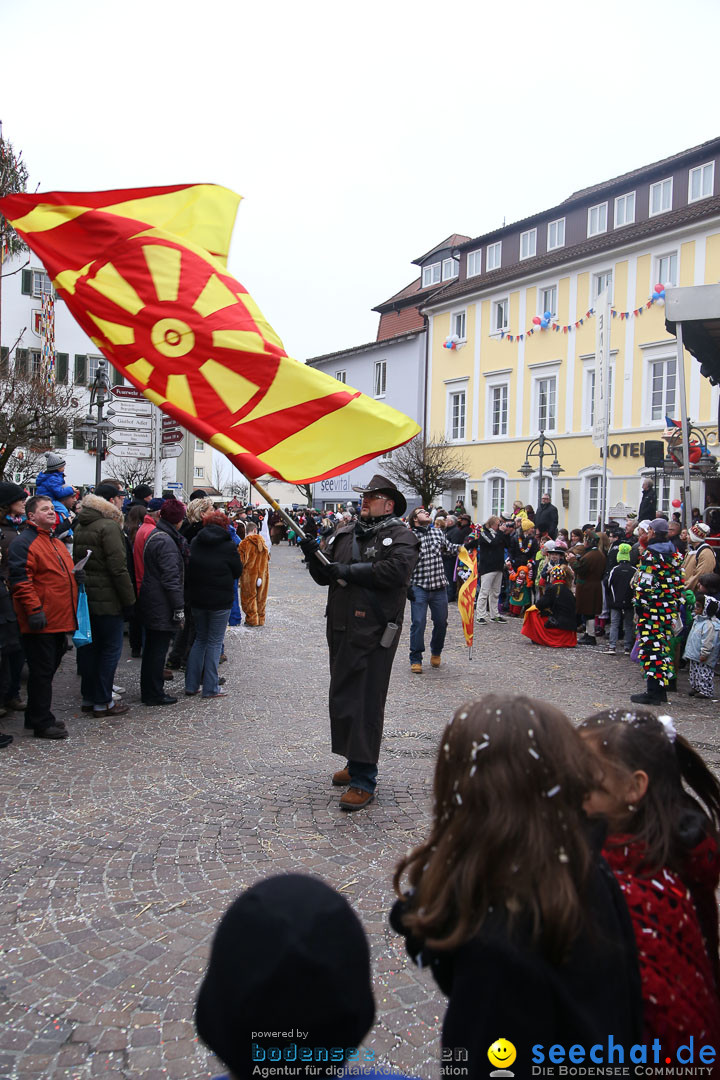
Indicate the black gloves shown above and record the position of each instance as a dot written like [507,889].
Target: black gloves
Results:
[339,570]
[80,575]
[471,542]
[308,546]
[37,621]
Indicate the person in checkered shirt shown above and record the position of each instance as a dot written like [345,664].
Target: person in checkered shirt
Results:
[428,588]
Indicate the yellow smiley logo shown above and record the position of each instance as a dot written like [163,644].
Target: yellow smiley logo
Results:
[502,1053]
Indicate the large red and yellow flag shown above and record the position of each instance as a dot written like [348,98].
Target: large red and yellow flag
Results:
[144,273]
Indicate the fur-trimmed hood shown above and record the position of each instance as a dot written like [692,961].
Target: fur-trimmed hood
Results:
[94,507]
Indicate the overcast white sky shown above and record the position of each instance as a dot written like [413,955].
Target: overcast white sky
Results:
[360,135]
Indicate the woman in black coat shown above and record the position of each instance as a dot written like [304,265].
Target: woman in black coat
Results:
[213,570]
[160,603]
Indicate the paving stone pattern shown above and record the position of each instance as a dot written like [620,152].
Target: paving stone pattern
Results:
[121,847]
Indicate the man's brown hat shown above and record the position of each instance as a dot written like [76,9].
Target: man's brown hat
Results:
[380,485]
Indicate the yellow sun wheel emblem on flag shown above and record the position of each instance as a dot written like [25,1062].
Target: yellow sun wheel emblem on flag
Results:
[172,337]
[181,329]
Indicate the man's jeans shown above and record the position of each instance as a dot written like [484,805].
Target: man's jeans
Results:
[627,615]
[210,629]
[363,774]
[97,662]
[437,601]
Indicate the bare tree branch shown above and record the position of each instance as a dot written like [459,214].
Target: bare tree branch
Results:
[33,411]
[425,468]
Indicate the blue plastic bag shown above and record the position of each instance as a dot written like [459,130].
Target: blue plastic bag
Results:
[83,634]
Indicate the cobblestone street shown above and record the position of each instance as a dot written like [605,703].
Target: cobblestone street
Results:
[122,846]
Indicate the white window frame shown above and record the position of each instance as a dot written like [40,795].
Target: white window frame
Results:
[592,482]
[35,364]
[493,256]
[490,478]
[380,379]
[199,445]
[41,284]
[588,404]
[538,378]
[341,376]
[92,366]
[599,281]
[431,274]
[458,322]
[199,472]
[622,200]
[474,263]
[662,187]
[496,304]
[450,269]
[528,244]
[499,384]
[452,388]
[709,165]
[543,289]
[602,209]
[658,268]
[559,224]
[497,507]
[662,408]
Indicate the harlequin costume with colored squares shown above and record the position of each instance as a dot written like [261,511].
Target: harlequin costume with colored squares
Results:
[658,590]
[520,589]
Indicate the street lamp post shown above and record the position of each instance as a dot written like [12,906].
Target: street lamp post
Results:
[540,448]
[97,430]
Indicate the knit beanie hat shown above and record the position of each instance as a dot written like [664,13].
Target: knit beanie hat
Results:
[142,491]
[623,552]
[526,524]
[198,494]
[698,532]
[155,504]
[288,954]
[173,511]
[10,493]
[55,463]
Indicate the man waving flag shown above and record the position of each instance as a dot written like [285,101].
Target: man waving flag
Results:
[144,273]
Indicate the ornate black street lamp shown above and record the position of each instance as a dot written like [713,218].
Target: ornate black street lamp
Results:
[540,448]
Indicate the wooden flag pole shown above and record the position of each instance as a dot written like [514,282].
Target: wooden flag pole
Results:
[288,520]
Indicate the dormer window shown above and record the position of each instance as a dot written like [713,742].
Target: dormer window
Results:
[450,269]
[528,244]
[431,274]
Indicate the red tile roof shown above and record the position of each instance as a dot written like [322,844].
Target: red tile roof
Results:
[454,240]
[586,194]
[399,322]
[706,208]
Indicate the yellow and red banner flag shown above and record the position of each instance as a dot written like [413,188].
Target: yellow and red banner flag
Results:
[467,573]
[144,272]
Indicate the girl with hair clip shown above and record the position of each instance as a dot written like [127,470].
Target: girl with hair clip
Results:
[509,902]
[703,648]
[662,806]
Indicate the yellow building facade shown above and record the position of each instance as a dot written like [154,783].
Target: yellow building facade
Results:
[507,378]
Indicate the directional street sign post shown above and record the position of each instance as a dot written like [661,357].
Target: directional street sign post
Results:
[172,436]
[171,451]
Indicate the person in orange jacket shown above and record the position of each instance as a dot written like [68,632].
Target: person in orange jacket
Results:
[254,581]
[44,592]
